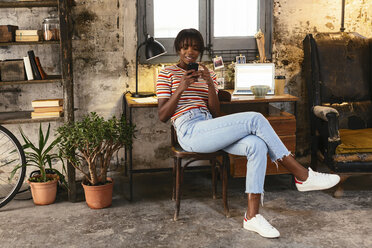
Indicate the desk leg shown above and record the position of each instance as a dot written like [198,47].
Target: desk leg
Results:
[128,152]
[130,163]
[125,149]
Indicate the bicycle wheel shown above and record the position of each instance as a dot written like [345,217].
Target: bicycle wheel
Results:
[11,155]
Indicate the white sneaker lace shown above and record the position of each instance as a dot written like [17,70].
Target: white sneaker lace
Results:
[263,222]
[320,175]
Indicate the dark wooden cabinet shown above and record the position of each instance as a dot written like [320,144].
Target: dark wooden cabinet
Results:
[282,122]
[284,125]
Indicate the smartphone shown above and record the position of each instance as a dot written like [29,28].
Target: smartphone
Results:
[192,66]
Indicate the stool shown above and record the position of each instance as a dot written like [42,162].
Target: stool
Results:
[178,170]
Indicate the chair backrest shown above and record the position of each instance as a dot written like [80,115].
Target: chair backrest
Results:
[174,140]
[340,67]
[337,68]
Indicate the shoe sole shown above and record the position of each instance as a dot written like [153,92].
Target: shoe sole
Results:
[322,188]
[254,230]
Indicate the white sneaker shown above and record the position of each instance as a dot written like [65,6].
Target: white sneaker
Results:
[261,226]
[317,181]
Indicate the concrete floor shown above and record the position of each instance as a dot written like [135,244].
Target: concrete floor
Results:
[312,219]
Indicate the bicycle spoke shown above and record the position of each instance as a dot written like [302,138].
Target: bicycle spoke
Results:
[11,156]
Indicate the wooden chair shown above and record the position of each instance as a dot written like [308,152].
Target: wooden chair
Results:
[178,170]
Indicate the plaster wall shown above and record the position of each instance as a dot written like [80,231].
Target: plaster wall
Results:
[104,47]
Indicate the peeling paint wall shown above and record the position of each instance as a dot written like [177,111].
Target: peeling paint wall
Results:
[104,47]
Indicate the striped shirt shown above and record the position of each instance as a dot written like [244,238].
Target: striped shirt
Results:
[195,96]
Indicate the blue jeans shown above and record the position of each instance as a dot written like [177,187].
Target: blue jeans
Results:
[247,134]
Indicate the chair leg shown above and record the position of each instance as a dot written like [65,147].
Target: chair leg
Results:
[174,178]
[224,175]
[340,187]
[214,181]
[178,188]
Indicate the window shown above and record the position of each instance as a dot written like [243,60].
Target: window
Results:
[228,27]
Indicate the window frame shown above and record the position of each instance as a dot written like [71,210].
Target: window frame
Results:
[227,47]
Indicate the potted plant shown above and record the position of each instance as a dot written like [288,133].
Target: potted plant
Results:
[89,145]
[43,182]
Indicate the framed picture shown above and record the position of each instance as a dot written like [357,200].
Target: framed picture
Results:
[218,62]
[240,59]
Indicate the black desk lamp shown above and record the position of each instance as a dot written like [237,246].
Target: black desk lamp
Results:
[153,49]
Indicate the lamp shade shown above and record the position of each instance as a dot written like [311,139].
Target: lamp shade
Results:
[154,49]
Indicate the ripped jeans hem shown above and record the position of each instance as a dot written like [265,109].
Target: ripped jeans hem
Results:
[275,161]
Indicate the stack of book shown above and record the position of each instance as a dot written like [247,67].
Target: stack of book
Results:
[47,108]
[33,68]
[27,35]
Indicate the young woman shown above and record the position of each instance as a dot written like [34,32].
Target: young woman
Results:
[189,98]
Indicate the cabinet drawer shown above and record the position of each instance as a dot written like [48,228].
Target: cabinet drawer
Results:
[285,126]
[238,163]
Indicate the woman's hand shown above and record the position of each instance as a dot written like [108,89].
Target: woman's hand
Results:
[190,76]
[205,74]
[213,102]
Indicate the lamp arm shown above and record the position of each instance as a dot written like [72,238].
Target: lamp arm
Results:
[138,48]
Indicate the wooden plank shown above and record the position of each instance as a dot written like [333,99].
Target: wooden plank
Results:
[29,4]
[2,44]
[51,79]
[19,117]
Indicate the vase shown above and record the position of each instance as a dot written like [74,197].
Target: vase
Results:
[44,193]
[99,196]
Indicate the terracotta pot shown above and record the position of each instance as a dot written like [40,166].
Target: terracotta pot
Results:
[44,193]
[100,196]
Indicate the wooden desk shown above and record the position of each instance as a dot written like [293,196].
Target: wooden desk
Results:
[283,123]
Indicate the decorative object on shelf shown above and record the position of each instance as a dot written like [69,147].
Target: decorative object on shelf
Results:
[12,70]
[259,90]
[35,70]
[28,68]
[89,145]
[40,155]
[40,69]
[7,33]
[153,49]
[27,35]
[51,28]
[47,108]
[47,103]
[260,39]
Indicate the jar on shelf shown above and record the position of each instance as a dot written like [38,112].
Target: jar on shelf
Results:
[51,28]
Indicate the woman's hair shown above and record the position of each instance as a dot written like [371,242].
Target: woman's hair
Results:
[189,37]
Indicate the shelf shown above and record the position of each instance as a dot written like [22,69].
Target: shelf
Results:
[29,43]
[19,117]
[29,4]
[50,79]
